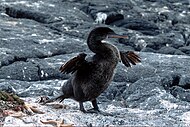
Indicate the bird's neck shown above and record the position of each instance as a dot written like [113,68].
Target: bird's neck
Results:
[104,50]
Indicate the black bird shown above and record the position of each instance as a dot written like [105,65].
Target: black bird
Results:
[91,76]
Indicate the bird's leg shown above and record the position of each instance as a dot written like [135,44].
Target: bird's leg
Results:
[82,107]
[95,109]
[95,105]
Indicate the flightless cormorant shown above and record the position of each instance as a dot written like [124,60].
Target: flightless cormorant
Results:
[92,75]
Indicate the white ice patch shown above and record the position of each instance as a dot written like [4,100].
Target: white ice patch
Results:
[101,17]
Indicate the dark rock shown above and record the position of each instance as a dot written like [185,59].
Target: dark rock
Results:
[151,0]
[138,24]
[166,65]
[185,81]
[111,18]
[6,59]
[127,42]
[170,40]
[185,49]
[147,49]
[101,14]
[179,52]
[133,74]
[114,92]
[181,93]
[20,71]
[170,80]
[141,90]
[31,89]
[181,18]
[188,41]
[47,69]
[167,50]
[173,40]
[23,13]
[37,37]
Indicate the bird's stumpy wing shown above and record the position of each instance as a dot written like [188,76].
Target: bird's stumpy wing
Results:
[73,64]
[129,58]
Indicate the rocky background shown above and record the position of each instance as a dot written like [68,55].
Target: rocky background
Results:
[38,36]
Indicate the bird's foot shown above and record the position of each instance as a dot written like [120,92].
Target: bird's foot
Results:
[45,100]
[97,111]
[49,100]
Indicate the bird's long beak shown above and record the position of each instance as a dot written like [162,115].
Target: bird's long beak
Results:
[117,36]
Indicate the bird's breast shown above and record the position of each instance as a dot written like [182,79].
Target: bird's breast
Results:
[97,80]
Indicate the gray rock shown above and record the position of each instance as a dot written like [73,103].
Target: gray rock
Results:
[23,13]
[137,24]
[37,37]
[167,50]
[20,71]
[185,49]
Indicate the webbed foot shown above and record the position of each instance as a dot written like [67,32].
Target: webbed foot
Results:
[97,111]
[49,100]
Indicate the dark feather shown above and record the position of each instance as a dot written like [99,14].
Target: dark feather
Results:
[129,58]
[73,64]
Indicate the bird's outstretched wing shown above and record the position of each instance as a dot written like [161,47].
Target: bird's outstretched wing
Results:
[73,64]
[129,58]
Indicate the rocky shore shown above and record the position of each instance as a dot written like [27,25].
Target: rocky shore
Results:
[38,36]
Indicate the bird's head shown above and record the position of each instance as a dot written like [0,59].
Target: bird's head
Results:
[101,33]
